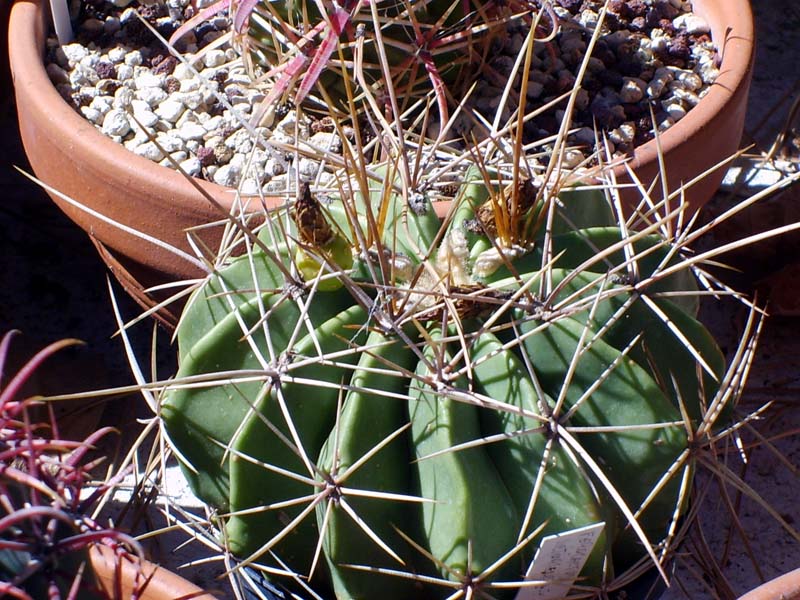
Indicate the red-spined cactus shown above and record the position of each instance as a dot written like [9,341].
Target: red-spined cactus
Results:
[46,496]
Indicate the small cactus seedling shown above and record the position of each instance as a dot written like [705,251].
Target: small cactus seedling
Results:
[354,48]
[373,398]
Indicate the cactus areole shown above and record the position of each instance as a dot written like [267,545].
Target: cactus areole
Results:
[375,399]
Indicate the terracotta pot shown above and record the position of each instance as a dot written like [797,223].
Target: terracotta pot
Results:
[711,131]
[69,154]
[118,577]
[785,587]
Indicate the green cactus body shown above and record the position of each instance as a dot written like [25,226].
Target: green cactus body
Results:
[470,502]
[308,409]
[566,499]
[203,421]
[625,397]
[366,422]
[572,337]
[671,361]
[215,301]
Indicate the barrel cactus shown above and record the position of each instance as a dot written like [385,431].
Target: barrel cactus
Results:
[376,399]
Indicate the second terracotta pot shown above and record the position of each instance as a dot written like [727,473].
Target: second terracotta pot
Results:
[785,587]
[119,578]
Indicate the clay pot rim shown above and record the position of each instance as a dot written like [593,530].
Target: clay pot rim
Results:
[737,60]
[29,73]
[117,577]
[738,57]
[784,587]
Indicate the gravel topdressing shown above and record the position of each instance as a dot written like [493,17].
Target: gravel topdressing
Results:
[653,59]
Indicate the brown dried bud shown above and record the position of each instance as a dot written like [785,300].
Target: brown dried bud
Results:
[312,226]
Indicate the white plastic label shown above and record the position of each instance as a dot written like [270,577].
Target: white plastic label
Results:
[558,562]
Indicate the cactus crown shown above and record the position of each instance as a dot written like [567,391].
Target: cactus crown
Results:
[374,396]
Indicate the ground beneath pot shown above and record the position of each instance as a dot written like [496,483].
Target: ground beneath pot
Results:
[52,285]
